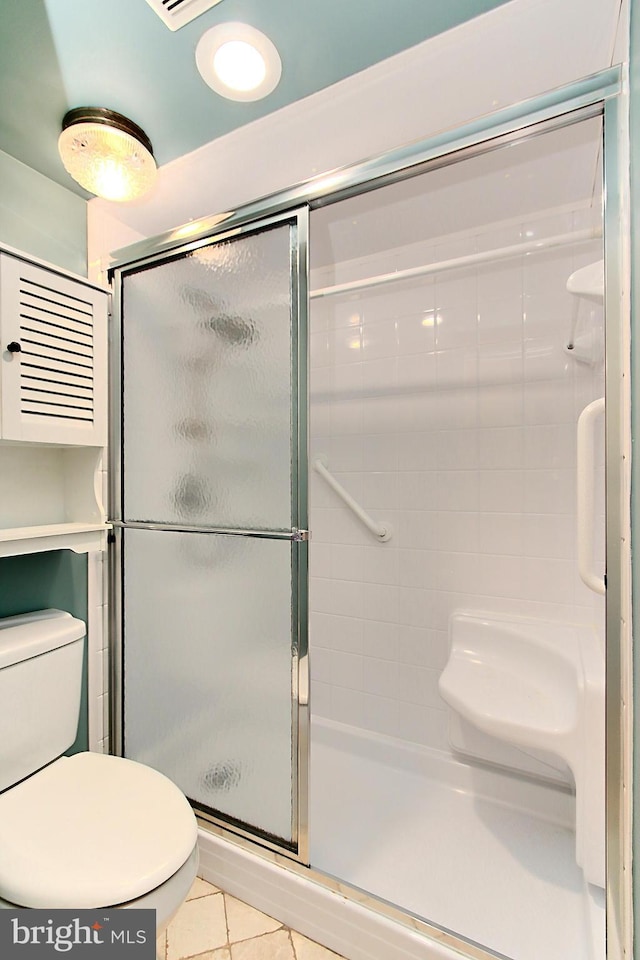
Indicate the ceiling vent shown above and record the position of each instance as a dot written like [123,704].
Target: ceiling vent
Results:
[177,13]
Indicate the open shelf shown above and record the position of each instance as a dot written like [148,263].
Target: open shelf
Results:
[50,499]
[80,537]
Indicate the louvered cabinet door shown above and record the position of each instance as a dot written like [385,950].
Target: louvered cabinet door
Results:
[54,354]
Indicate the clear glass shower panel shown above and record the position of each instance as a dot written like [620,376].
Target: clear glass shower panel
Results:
[208,667]
[457,346]
[207,385]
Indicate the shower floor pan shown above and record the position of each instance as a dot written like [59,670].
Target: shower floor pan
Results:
[483,854]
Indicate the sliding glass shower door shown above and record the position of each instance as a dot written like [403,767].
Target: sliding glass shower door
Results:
[212,525]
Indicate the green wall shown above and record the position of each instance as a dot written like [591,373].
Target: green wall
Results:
[42,218]
[47,221]
[40,580]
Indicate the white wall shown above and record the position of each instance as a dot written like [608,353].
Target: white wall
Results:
[447,406]
[517,51]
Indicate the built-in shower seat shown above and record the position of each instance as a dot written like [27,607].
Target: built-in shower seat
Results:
[538,685]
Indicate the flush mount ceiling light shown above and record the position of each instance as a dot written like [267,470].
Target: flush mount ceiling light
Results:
[238,61]
[106,153]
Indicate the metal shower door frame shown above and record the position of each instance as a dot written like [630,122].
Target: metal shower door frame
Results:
[298,535]
[605,94]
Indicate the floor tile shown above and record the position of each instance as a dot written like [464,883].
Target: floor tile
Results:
[308,950]
[273,946]
[201,888]
[223,954]
[199,925]
[245,922]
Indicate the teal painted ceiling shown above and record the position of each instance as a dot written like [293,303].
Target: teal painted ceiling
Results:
[59,54]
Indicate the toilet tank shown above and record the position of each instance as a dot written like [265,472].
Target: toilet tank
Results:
[40,687]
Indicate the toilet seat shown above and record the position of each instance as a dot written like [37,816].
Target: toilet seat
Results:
[91,830]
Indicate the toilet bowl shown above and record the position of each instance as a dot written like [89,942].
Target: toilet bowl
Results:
[166,899]
[84,831]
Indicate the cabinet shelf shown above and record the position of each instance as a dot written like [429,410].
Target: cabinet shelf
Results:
[80,537]
[50,499]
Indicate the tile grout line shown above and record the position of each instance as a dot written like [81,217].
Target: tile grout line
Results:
[229,945]
[226,919]
[194,956]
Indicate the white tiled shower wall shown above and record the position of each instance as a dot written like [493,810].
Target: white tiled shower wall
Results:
[446,405]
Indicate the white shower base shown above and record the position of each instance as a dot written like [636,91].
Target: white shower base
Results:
[487,855]
[478,852]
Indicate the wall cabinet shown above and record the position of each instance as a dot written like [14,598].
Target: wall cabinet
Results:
[53,375]
[53,408]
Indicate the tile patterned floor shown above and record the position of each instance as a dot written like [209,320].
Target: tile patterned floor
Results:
[212,925]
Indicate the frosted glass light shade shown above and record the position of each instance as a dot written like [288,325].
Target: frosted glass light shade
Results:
[105,156]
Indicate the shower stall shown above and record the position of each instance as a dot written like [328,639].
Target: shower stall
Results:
[363,539]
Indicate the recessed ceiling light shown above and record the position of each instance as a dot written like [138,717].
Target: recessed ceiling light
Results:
[238,61]
[239,65]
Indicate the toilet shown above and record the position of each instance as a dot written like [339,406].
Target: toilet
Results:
[89,830]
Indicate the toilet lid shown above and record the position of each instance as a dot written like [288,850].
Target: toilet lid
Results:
[91,830]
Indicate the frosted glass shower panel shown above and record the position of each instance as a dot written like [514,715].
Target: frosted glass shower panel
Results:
[207,670]
[207,385]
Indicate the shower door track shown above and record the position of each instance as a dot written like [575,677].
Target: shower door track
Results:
[599,95]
